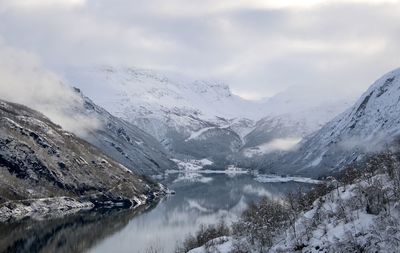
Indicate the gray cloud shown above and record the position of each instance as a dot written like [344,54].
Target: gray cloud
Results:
[258,47]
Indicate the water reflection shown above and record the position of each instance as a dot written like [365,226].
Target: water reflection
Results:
[160,227]
[74,233]
[194,204]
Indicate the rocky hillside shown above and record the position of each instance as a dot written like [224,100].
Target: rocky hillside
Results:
[369,126]
[44,168]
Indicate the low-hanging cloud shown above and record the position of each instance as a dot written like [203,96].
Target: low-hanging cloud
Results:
[23,80]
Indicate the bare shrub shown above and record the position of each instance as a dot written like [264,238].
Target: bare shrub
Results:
[260,222]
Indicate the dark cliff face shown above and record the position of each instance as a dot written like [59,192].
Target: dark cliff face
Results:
[40,160]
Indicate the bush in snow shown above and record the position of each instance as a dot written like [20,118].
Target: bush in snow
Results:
[204,236]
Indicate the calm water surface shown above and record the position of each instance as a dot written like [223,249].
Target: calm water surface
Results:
[210,199]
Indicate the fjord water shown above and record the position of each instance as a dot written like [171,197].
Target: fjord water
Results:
[203,201]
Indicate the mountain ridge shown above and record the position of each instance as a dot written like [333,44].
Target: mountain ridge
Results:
[370,125]
[173,109]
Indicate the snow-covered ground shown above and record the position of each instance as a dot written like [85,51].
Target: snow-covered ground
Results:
[339,221]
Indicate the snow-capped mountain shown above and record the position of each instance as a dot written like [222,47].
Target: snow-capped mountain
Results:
[196,118]
[369,126]
[203,118]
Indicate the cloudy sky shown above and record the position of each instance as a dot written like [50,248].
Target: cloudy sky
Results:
[258,47]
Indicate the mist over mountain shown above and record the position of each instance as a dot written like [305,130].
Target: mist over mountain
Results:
[24,80]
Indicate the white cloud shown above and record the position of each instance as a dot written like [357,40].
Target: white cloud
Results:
[258,47]
[284,144]
[23,80]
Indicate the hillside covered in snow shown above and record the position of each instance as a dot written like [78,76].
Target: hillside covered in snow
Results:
[359,212]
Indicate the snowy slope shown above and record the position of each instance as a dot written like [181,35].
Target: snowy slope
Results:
[192,117]
[340,221]
[367,127]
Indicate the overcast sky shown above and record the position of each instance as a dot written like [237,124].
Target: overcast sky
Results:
[258,47]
